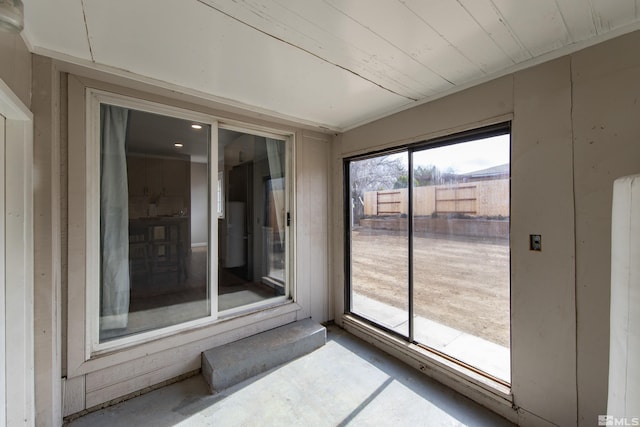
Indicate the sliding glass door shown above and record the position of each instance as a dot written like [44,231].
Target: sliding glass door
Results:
[428,251]
[190,219]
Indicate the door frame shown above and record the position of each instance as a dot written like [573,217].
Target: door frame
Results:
[16,232]
[3,315]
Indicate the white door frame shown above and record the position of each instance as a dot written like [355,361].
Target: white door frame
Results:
[3,316]
[16,233]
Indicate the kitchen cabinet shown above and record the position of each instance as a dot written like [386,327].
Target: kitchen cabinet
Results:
[175,177]
[155,177]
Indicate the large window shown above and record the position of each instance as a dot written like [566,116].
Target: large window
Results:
[190,219]
[428,246]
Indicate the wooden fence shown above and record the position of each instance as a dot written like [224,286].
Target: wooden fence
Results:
[479,198]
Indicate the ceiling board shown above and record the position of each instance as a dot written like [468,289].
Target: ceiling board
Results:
[537,24]
[493,23]
[408,41]
[325,32]
[611,14]
[57,26]
[331,63]
[579,19]
[452,22]
[192,45]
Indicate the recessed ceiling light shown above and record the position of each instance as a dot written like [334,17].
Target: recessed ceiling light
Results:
[196,126]
[178,144]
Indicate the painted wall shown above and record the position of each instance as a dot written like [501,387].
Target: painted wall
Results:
[312,198]
[575,129]
[606,131]
[47,239]
[15,66]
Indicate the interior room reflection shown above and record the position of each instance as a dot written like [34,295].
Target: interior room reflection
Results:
[169,215]
[251,224]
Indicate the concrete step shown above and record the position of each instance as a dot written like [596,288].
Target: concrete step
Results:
[232,363]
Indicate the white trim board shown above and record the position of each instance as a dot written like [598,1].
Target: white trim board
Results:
[17,213]
[3,315]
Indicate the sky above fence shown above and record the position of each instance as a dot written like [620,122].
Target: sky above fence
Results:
[468,156]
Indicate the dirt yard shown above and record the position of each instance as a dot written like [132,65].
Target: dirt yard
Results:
[463,284]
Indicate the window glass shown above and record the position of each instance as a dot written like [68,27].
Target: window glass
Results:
[379,240]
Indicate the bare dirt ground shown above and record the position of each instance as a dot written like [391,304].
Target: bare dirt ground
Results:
[459,282]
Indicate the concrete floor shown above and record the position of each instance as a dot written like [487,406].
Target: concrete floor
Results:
[345,382]
[485,355]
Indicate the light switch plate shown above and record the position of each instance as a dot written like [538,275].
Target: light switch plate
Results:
[535,242]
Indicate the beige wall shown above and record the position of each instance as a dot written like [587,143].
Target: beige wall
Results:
[542,283]
[47,238]
[15,65]
[606,131]
[575,129]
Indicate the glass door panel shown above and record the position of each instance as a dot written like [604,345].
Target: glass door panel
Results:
[253,226]
[461,252]
[154,245]
[379,240]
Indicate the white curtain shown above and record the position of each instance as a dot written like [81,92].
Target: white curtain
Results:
[114,218]
[275,154]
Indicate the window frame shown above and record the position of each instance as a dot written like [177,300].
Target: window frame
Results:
[410,148]
[93,99]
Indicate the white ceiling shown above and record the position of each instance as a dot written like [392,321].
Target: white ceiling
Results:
[329,63]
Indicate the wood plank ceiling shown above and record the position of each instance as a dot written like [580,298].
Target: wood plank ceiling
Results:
[331,63]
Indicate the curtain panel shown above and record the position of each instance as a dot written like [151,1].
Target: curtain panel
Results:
[114,219]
